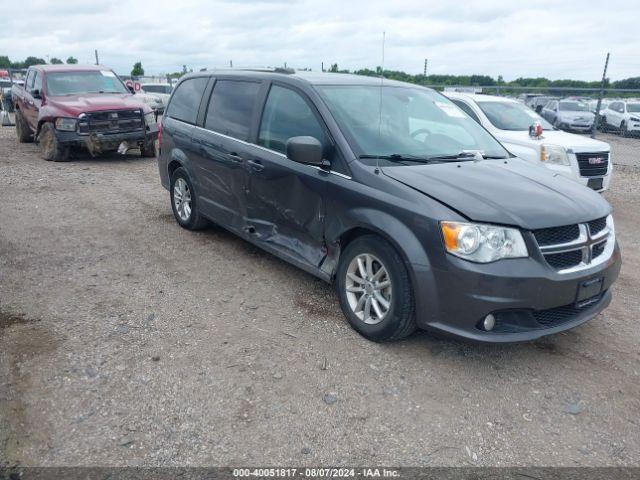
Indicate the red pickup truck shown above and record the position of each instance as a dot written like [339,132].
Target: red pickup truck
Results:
[65,106]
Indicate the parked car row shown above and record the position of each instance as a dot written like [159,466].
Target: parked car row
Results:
[577,157]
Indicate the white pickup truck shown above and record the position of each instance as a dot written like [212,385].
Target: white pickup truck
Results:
[580,158]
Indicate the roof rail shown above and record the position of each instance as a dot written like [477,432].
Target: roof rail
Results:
[287,71]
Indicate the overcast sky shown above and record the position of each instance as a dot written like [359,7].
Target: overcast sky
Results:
[551,38]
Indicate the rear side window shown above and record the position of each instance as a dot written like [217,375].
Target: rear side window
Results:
[186,100]
[231,108]
[287,115]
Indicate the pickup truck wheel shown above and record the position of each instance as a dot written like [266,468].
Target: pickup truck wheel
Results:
[22,129]
[49,145]
[148,150]
[375,290]
[184,202]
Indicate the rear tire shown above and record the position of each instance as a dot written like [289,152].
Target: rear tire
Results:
[148,150]
[623,129]
[22,129]
[184,202]
[364,296]
[50,147]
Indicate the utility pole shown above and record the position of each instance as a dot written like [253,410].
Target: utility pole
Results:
[230,63]
[97,61]
[322,66]
[596,121]
[425,67]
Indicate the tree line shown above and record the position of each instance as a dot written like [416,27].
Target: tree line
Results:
[5,62]
[488,81]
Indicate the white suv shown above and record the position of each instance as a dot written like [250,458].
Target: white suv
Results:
[580,158]
[623,116]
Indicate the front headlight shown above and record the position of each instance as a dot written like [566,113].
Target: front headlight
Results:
[482,243]
[150,119]
[66,124]
[554,154]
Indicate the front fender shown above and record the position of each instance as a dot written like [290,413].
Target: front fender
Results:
[402,238]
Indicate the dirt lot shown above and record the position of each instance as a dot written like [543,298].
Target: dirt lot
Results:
[125,340]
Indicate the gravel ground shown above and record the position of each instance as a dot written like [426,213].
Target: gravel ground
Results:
[125,340]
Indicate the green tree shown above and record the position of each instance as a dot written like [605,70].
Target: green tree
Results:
[72,60]
[5,62]
[32,61]
[137,69]
[56,61]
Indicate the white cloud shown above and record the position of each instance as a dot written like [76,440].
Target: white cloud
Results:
[510,38]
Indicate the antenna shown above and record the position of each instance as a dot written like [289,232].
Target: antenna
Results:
[380,104]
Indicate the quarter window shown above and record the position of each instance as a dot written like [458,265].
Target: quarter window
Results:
[37,82]
[287,114]
[231,108]
[186,100]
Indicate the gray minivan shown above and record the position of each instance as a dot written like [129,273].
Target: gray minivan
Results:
[418,215]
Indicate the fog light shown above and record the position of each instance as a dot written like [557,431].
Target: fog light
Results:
[489,322]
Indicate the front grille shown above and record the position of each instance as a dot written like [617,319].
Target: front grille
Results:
[596,226]
[598,249]
[563,260]
[112,121]
[556,316]
[555,235]
[572,246]
[593,164]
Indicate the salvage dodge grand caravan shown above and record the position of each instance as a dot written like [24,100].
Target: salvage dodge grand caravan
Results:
[416,213]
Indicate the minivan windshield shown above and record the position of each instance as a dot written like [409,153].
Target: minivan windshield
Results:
[75,83]
[511,116]
[405,121]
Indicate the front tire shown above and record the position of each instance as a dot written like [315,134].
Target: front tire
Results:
[184,202]
[22,129]
[375,290]
[50,147]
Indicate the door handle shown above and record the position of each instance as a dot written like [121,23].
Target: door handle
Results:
[234,157]
[255,165]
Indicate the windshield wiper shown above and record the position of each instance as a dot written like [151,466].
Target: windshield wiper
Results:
[463,155]
[397,157]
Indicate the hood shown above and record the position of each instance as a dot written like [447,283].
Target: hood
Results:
[74,105]
[570,141]
[512,193]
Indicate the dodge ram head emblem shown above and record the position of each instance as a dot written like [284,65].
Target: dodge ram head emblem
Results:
[596,161]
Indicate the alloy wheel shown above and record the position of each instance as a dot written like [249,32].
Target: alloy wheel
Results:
[182,199]
[368,288]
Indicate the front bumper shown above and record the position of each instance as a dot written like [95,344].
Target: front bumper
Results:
[528,298]
[104,142]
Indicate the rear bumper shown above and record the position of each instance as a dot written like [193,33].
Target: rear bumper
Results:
[103,142]
[528,299]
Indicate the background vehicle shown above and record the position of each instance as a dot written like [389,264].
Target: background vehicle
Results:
[623,116]
[63,106]
[565,153]
[571,115]
[421,219]
[528,98]
[160,90]
[538,103]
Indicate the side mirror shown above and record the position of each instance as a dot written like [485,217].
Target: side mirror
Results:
[35,93]
[131,89]
[304,150]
